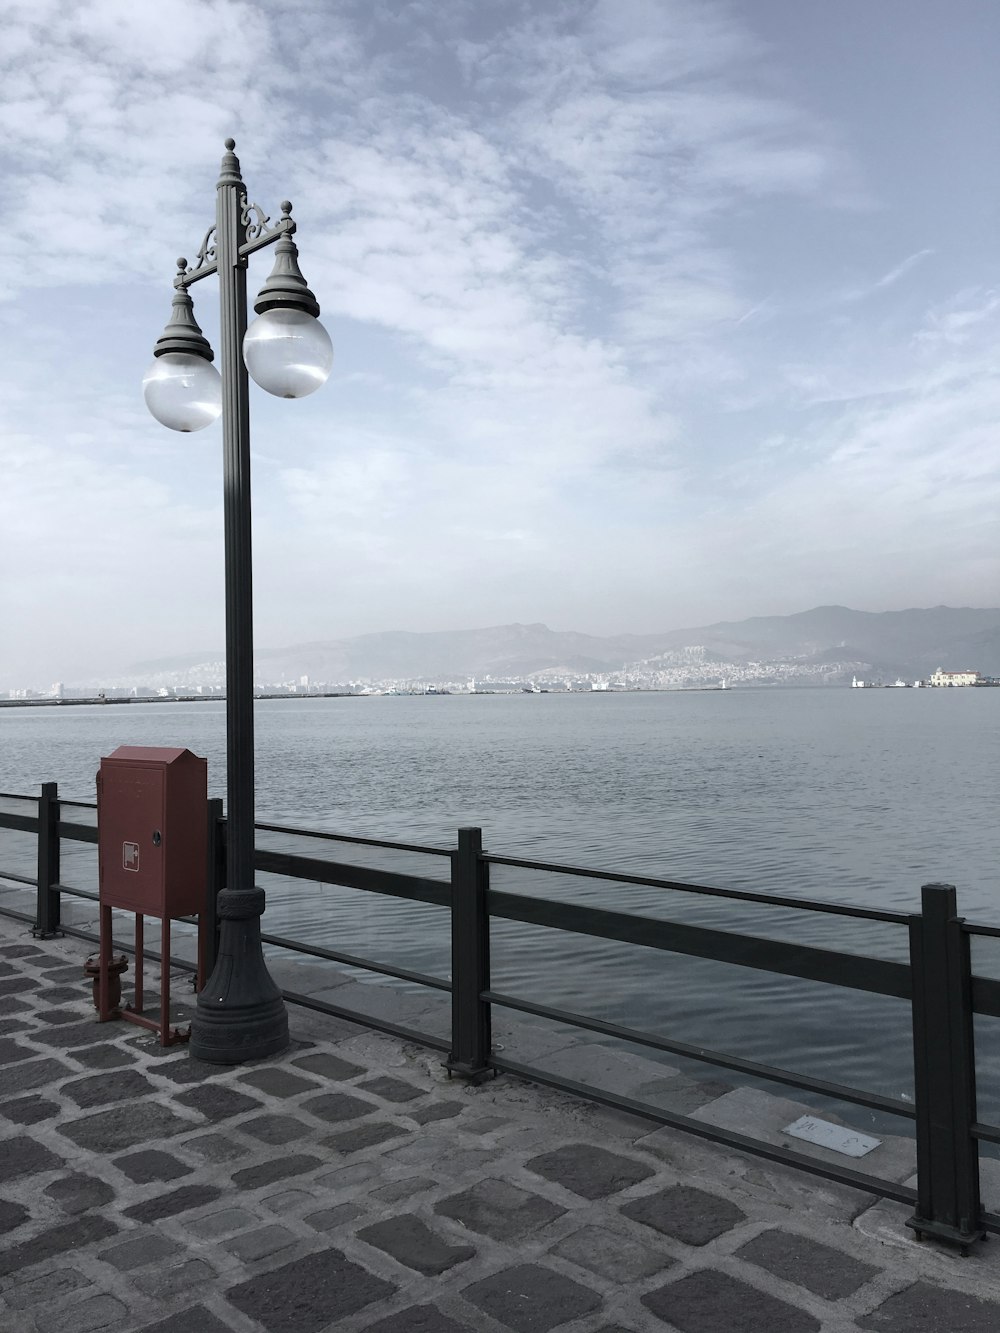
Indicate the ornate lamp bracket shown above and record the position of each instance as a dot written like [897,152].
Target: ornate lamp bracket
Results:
[259,232]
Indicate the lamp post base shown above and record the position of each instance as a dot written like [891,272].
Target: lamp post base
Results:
[240,1014]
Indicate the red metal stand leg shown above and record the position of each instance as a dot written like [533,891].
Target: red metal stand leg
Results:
[103,1008]
[139,947]
[165,981]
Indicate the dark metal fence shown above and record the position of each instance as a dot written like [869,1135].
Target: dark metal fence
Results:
[937,980]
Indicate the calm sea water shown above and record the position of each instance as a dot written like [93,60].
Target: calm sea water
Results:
[844,795]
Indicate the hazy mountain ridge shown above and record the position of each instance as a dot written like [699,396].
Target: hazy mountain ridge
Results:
[911,643]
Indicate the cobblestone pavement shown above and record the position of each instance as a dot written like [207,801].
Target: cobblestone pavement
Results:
[348,1185]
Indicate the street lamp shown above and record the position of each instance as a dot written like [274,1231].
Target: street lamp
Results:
[240,1012]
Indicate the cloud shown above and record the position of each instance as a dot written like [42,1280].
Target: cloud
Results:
[901,269]
[556,246]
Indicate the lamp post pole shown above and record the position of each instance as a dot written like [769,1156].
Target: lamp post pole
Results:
[240,1012]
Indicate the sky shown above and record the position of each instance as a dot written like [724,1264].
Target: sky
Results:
[646,314]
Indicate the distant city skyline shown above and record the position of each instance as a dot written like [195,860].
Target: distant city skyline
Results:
[821,646]
[646,313]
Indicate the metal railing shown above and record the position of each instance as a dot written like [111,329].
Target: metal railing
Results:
[937,980]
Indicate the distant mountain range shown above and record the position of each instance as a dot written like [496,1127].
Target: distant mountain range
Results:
[909,643]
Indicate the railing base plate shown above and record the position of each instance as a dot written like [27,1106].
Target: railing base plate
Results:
[924,1227]
[471,1073]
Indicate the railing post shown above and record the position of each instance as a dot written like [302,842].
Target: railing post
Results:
[47,908]
[944,1067]
[215,883]
[470,959]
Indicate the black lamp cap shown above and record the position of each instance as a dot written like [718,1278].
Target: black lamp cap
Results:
[183,333]
[286,288]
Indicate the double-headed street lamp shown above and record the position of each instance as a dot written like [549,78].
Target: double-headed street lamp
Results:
[240,1012]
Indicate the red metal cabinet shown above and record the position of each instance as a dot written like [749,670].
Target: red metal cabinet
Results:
[153,831]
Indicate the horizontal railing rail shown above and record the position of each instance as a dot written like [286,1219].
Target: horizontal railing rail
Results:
[793,960]
[937,980]
[392,882]
[682,886]
[324,835]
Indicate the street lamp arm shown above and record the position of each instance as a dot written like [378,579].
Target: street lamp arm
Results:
[253,221]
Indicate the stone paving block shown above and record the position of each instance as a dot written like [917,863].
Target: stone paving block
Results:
[365,1136]
[330,1067]
[115,1085]
[29,1110]
[104,1056]
[145,1249]
[22,951]
[500,1210]
[428,1150]
[151,1164]
[426,1115]
[251,1245]
[591,1172]
[279,1082]
[7,971]
[334,1107]
[11,1215]
[392,1089]
[71,1035]
[343,1177]
[55,1286]
[308,1294]
[62,995]
[923,1308]
[185,1068]
[87,1316]
[419,1319]
[11,1004]
[57,1016]
[165,1281]
[16,985]
[611,1255]
[24,1156]
[531,1299]
[216,1224]
[60,970]
[706,1302]
[474,1161]
[266,1173]
[173,1202]
[482,1124]
[216,1148]
[275,1129]
[403,1189]
[77,1193]
[216,1102]
[289,1201]
[687,1214]
[328,1219]
[411,1242]
[124,1126]
[10,1027]
[196,1319]
[11,1052]
[56,1241]
[819,1268]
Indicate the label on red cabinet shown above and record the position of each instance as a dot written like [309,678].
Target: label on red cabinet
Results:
[130,856]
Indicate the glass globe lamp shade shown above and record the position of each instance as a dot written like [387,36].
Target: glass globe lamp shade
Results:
[288,352]
[183,391]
